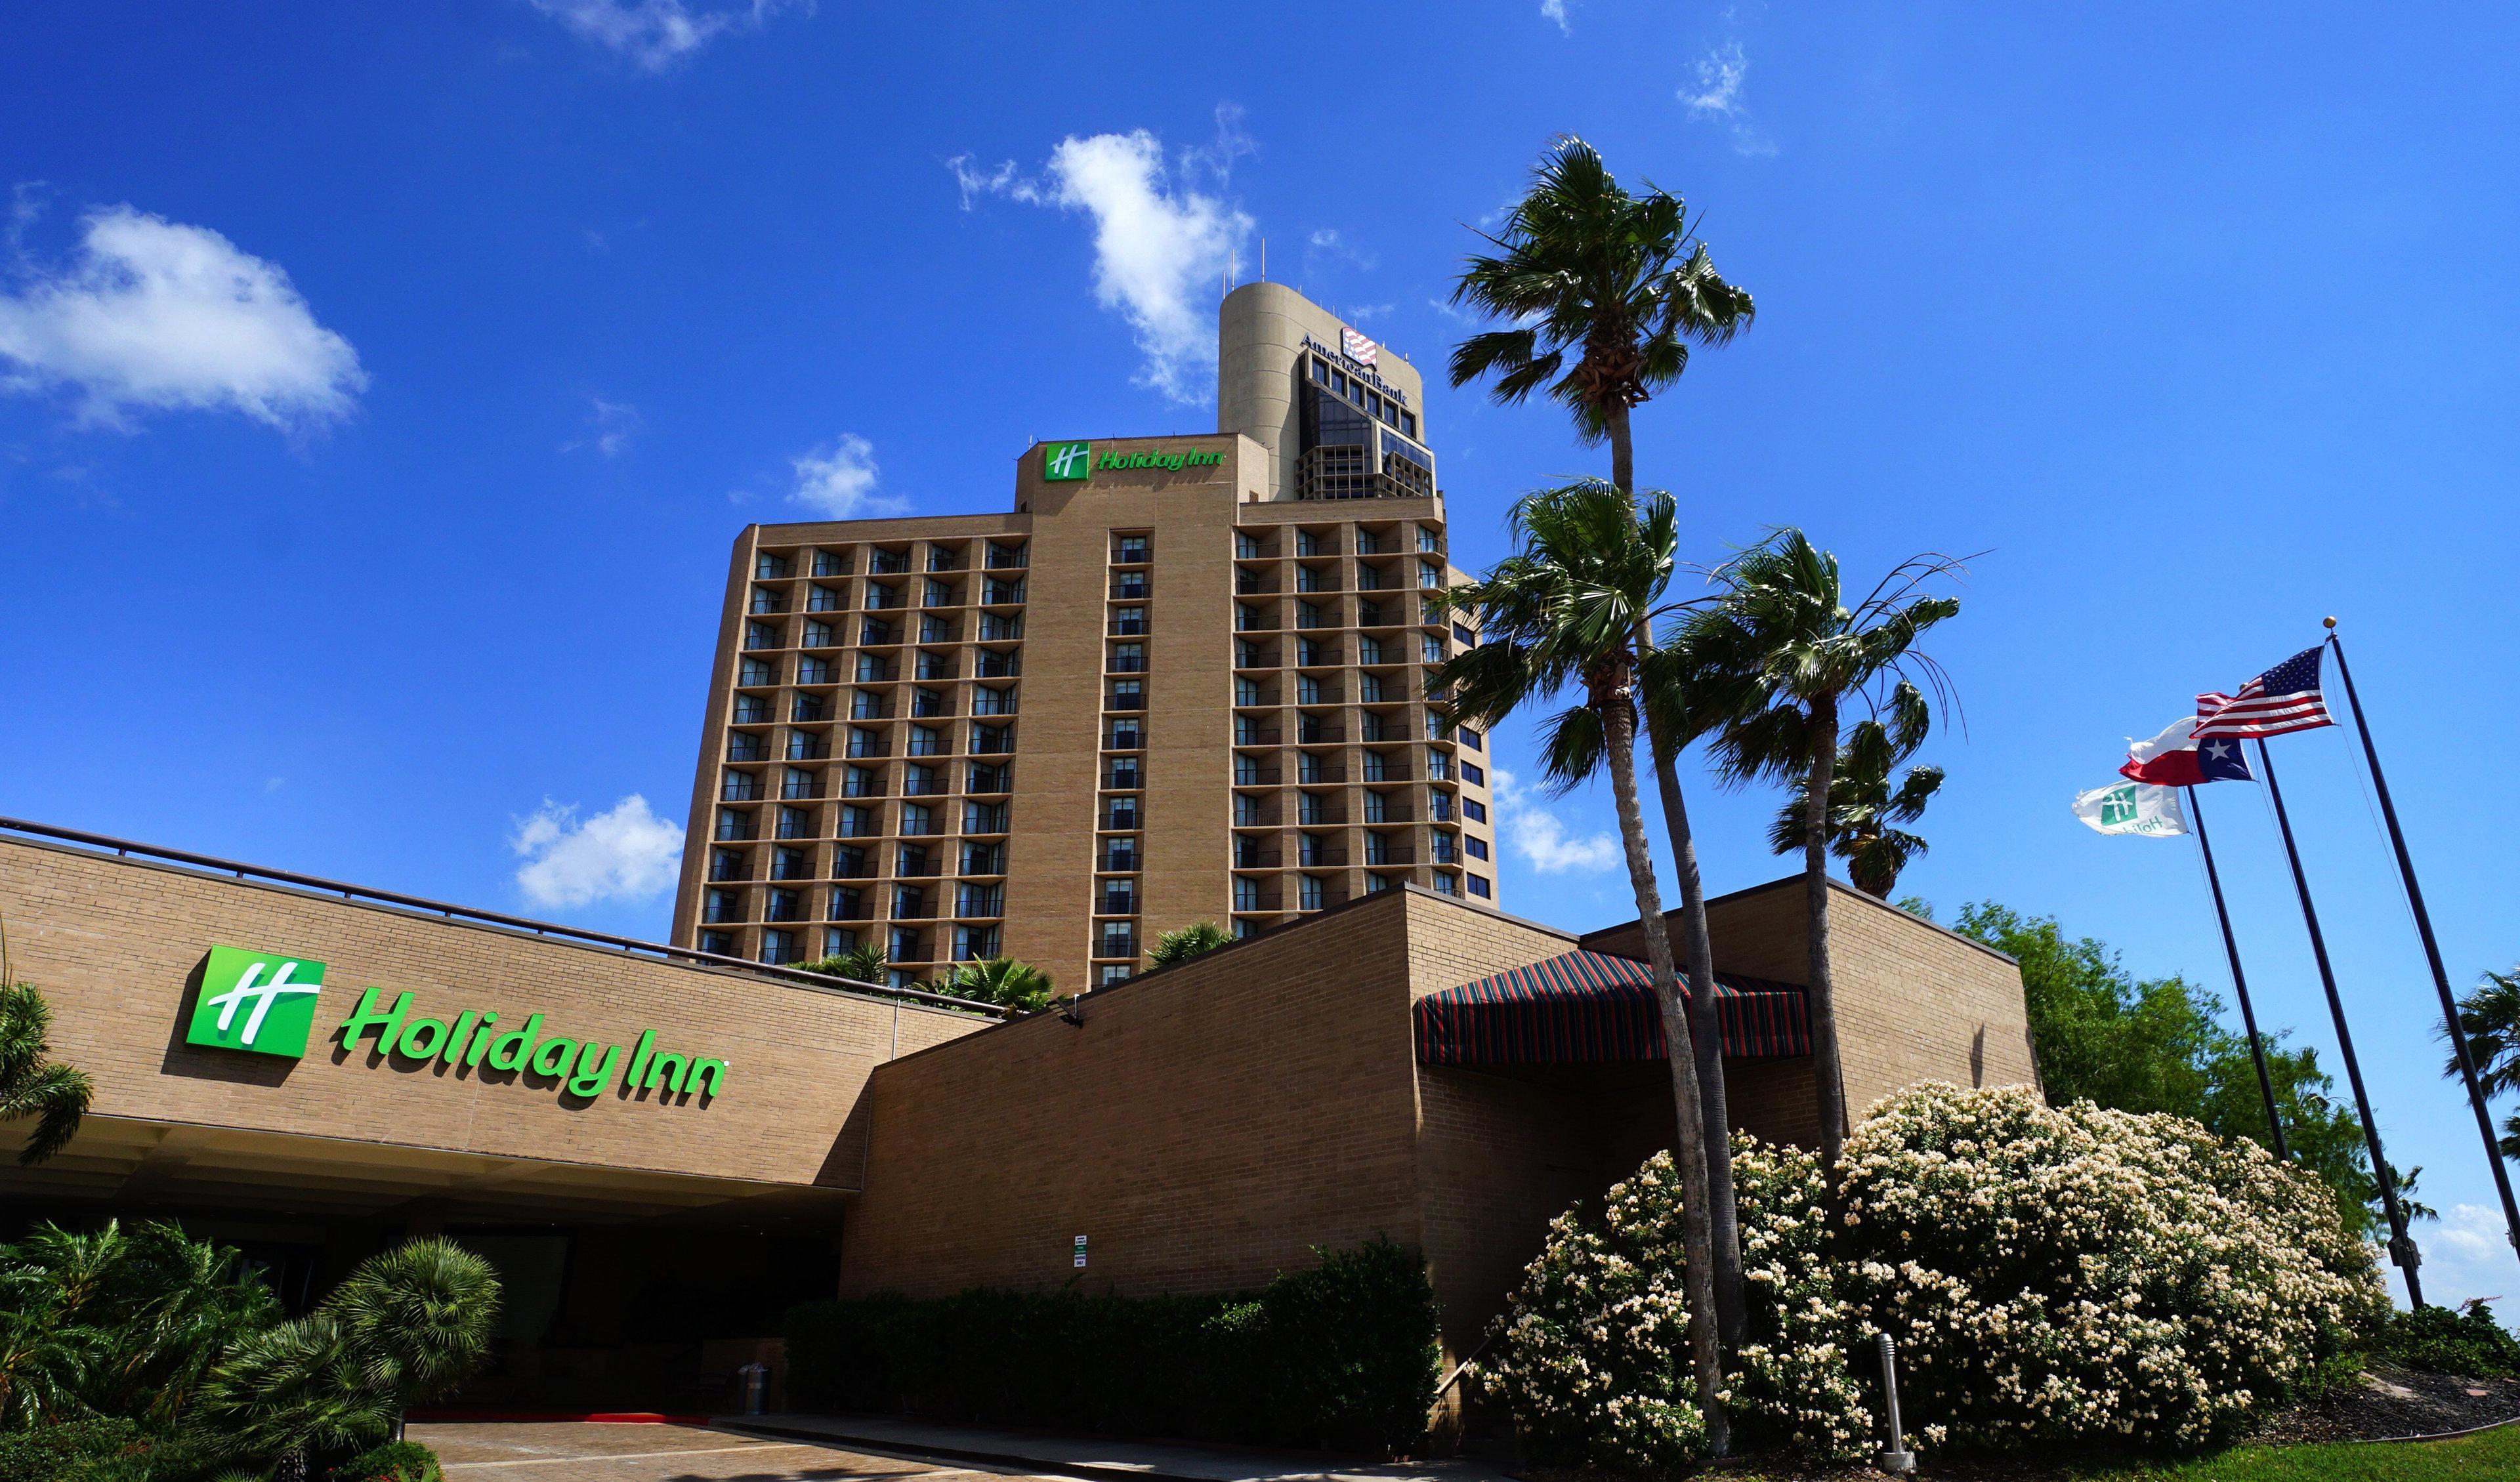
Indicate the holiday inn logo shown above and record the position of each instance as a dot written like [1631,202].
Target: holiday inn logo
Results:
[256,1000]
[1066,459]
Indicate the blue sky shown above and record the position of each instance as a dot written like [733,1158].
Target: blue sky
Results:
[380,391]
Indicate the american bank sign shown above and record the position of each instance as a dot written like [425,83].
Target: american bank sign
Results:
[265,1004]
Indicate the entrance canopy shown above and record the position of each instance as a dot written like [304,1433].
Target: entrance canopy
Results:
[1583,1007]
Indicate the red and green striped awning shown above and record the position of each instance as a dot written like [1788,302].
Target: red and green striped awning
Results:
[1591,1007]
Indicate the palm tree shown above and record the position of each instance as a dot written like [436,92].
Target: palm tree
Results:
[1193,940]
[867,963]
[2490,1017]
[1587,273]
[1863,807]
[1575,607]
[418,1319]
[57,1097]
[1766,671]
[999,980]
[289,1389]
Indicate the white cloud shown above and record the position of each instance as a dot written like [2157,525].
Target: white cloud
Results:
[2469,1255]
[627,853]
[1541,836]
[1159,243]
[1330,243]
[152,314]
[656,34]
[1555,10]
[1716,96]
[838,480]
[610,426]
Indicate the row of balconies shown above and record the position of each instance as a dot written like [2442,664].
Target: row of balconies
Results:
[789,563]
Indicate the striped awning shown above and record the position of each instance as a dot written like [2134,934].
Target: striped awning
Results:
[1592,1006]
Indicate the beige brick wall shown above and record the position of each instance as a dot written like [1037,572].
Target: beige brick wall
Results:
[115,945]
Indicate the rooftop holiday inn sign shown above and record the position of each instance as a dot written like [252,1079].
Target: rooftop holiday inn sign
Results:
[1075,459]
[264,1003]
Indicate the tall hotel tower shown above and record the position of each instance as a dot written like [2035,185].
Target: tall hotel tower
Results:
[1183,680]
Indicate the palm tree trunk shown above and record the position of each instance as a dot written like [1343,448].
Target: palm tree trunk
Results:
[1706,1040]
[1825,1075]
[1623,447]
[1616,703]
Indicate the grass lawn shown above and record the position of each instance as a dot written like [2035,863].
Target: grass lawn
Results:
[2495,1453]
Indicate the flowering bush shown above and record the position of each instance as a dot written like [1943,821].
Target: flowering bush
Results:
[2051,1275]
[2072,1274]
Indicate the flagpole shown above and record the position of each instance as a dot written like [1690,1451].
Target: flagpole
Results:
[2402,1250]
[2432,950]
[2239,980]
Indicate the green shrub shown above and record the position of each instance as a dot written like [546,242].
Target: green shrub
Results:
[2462,1341]
[1343,1355]
[107,1448]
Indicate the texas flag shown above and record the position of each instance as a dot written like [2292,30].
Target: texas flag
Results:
[2176,759]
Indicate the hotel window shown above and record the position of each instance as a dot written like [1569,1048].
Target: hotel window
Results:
[992,740]
[824,600]
[1310,851]
[1435,727]
[979,900]
[905,947]
[996,629]
[740,787]
[908,901]
[973,944]
[1129,622]
[847,904]
[1368,687]
[989,663]
[1369,650]
[1439,767]
[1464,637]
[839,939]
[1128,658]
[1246,545]
[790,864]
[1373,765]
[1247,811]
[1376,884]
[1430,649]
[1472,774]
[918,818]
[861,781]
[727,864]
[1246,654]
[783,906]
[1428,542]
[998,593]
[888,560]
[1112,974]
[984,859]
[1370,728]
[1310,614]
[722,906]
[1119,939]
[778,947]
[1308,690]
[991,702]
[1126,695]
[873,670]
[1129,549]
[1246,692]
[928,741]
[1475,810]
[1246,771]
[929,702]
[1120,854]
[816,671]
[933,629]
[718,943]
[1369,614]
[806,746]
[986,778]
[764,635]
[757,671]
[849,861]
[1310,654]
[1124,736]
[1431,576]
[800,783]
[741,748]
[1248,618]
[1308,892]
[734,823]
[1469,737]
[1377,807]
[753,710]
[1308,766]
[1446,883]
[1247,895]
[875,631]
[1310,808]
[831,564]
[1002,557]
[938,594]
[1446,851]
[860,823]
[1121,813]
[1308,579]
[1378,849]
[1477,846]
[1307,543]
[820,635]
[984,817]
[769,568]
[1439,807]
[1119,898]
[1479,886]
[866,743]
[910,860]
[1122,774]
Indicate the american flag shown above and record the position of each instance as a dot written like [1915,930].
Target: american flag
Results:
[2283,699]
[1357,347]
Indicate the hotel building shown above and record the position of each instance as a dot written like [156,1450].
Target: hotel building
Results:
[1181,679]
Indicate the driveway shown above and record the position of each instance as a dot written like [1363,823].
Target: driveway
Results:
[500,1452]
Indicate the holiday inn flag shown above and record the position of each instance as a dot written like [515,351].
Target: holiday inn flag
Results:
[2131,808]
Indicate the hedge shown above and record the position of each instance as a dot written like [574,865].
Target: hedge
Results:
[1343,1356]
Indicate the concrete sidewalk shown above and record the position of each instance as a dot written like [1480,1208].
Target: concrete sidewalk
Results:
[1101,1459]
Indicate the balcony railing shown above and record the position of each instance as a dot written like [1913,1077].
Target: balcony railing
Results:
[794,790]
[747,748]
[933,788]
[1129,627]
[1129,663]
[738,788]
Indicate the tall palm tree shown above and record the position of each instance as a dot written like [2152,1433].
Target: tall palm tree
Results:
[57,1097]
[1766,671]
[2490,1017]
[1194,940]
[864,963]
[1864,810]
[1575,607]
[1603,291]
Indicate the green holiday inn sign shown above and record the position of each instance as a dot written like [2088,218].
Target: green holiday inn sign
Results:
[1060,461]
[263,1003]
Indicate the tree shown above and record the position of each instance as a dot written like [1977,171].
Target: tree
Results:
[418,1318]
[1863,807]
[1766,671]
[999,980]
[1575,605]
[1603,291]
[1193,940]
[866,962]
[2158,1045]
[2490,1017]
[57,1097]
